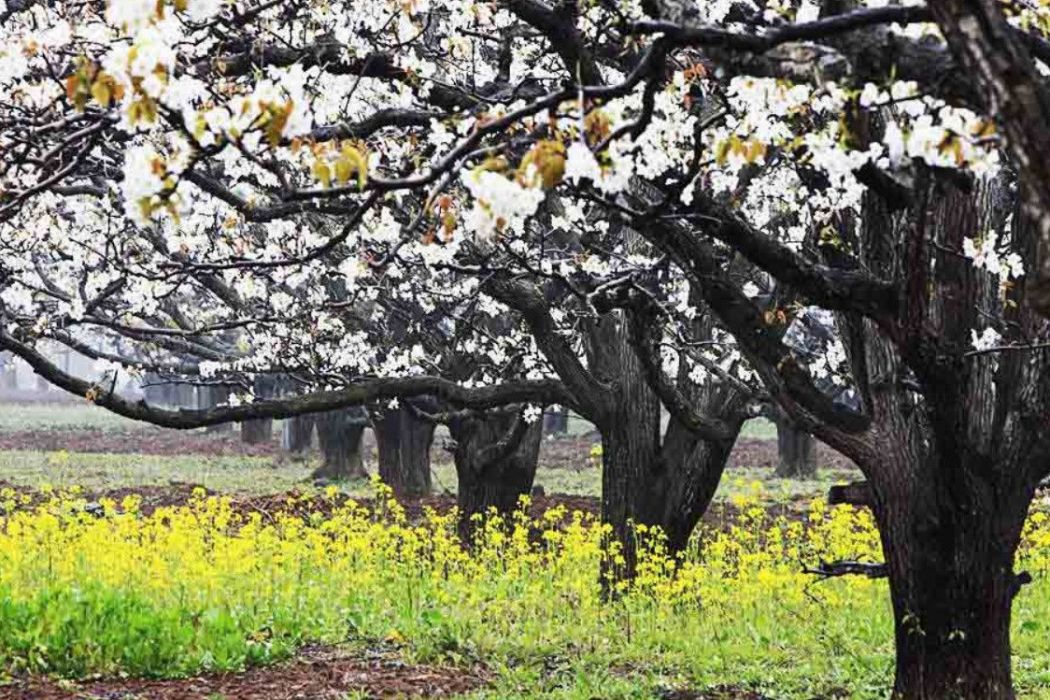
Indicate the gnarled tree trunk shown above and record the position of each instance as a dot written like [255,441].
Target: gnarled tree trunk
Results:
[953,458]
[496,457]
[796,453]
[403,440]
[952,583]
[646,480]
[339,434]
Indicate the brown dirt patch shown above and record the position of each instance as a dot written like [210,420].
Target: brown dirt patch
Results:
[755,452]
[557,453]
[723,692]
[719,516]
[149,441]
[316,673]
[292,502]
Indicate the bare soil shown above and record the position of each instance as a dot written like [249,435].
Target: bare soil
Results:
[148,441]
[316,673]
[560,453]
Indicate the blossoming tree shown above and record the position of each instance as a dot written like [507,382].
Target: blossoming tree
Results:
[260,184]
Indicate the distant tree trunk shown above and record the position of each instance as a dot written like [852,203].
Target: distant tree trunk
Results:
[796,452]
[404,440]
[185,395]
[297,433]
[258,431]
[214,395]
[339,434]
[496,457]
[8,372]
[556,421]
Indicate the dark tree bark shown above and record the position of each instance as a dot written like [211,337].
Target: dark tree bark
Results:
[666,483]
[667,480]
[403,441]
[953,463]
[496,457]
[952,581]
[796,452]
[297,433]
[647,479]
[339,434]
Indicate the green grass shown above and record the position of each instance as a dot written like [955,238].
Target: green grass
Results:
[759,428]
[236,474]
[79,415]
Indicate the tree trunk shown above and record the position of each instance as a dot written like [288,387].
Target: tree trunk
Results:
[556,421]
[403,441]
[496,458]
[796,452]
[257,431]
[339,434]
[644,482]
[211,396]
[8,372]
[297,433]
[952,585]
[260,430]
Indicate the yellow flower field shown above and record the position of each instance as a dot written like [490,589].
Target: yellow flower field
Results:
[206,586]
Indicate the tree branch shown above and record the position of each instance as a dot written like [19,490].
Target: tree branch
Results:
[361,392]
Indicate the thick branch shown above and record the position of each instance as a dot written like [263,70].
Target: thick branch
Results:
[831,569]
[855,493]
[760,341]
[999,62]
[560,29]
[524,297]
[832,288]
[362,392]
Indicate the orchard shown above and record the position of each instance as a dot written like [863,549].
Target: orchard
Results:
[671,220]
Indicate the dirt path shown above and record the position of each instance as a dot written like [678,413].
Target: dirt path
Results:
[316,673]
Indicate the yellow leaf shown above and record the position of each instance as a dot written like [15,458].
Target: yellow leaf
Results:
[344,169]
[548,159]
[755,150]
[722,152]
[322,172]
[352,161]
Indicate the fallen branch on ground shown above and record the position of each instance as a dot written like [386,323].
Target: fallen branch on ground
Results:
[831,569]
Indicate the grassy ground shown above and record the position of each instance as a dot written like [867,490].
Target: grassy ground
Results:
[84,415]
[176,595]
[62,416]
[264,475]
